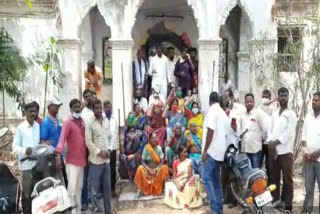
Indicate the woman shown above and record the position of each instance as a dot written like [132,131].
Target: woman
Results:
[194,116]
[171,113]
[130,155]
[194,148]
[157,123]
[137,119]
[152,174]
[184,191]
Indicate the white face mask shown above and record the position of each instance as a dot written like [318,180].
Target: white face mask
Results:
[264,101]
[195,110]
[76,115]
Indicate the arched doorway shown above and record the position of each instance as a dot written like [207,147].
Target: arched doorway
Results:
[95,35]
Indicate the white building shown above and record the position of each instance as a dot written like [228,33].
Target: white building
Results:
[82,26]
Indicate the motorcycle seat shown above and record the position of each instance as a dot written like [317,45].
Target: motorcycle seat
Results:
[46,184]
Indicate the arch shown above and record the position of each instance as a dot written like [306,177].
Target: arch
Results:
[232,3]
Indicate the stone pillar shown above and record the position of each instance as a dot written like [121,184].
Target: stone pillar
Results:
[208,70]
[122,85]
[71,66]
[244,75]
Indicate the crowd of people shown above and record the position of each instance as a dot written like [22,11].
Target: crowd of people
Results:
[170,145]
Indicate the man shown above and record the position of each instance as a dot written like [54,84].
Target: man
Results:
[214,133]
[183,71]
[171,65]
[87,115]
[98,143]
[257,123]
[155,97]
[281,139]
[26,138]
[143,102]
[139,68]
[311,149]
[114,140]
[159,71]
[195,62]
[37,118]
[73,133]
[93,78]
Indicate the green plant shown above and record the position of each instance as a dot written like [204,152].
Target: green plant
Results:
[48,58]
[13,68]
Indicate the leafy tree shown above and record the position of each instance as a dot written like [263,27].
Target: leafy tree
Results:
[13,68]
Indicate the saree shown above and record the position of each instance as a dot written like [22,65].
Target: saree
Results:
[127,168]
[198,120]
[189,197]
[151,183]
[138,122]
[170,151]
[174,119]
[158,126]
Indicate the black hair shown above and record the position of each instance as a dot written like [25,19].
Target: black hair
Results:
[317,93]
[180,149]
[96,102]
[29,106]
[193,103]
[107,102]
[159,46]
[267,91]
[93,92]
[73,102]
[249,95]
[170,48]
[214,97]
[135,105]
[86,91]
[150,135]
[283,90]
[36,105]
[193,49]
[230,92]
[184,49]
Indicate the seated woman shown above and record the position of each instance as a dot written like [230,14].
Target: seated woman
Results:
[184,191]
[137,119]
[157,123]
[130,155]
[152,174]
[194,116]
[194,148]
[176,140]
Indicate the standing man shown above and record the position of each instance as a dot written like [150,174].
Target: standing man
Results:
[281,139]
[87,115]
[257,123]
[139,68]
[171,66]
[195,62]
[184,72]
[143,102]
[93,77]
[214,132]
[73,133]
[98,142]
[114,140]
[25,139]
[159,71]
[311,149]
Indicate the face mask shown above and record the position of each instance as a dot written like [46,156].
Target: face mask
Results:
[157,110]
[195,110]
[76,115]
[174,108]
[108,113]
[179,94]
[155,95]
[265,101]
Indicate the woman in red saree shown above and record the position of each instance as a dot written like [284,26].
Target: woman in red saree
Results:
[152,174]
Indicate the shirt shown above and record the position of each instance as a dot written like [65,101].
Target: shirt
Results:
[159,70]
[311,132]
[216,119]
[143,102]
[25,136]
[114,134]
[171,77]
[87,115]
[283,128]
[184,72]
[50,132]
[257,122]
[73,133]
[98,139]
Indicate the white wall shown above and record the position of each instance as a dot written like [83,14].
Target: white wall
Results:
[28,34]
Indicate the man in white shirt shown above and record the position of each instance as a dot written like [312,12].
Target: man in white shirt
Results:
[214,132]
[159,71]
[257,123]
[311,148]
[114,140]
[171,66]
[281,140]
[143,102]
[27,137]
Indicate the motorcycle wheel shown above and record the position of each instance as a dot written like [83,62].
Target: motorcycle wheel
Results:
[67,212]
[236,192]
[269,209]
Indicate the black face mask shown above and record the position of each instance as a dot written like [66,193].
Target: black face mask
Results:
[139,97]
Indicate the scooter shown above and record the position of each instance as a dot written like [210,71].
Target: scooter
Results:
[49,194]
[249,185]
[10,190]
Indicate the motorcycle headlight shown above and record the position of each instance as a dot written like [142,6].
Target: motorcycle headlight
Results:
[258,185]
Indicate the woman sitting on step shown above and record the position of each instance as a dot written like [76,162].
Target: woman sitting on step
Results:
[152,174]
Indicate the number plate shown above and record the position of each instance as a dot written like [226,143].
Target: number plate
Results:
[263,199]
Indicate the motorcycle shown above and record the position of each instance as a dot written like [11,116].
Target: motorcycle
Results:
[49,194]
[10,190]
[249,185]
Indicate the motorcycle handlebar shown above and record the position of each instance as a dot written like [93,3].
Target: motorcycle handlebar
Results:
[31,157]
